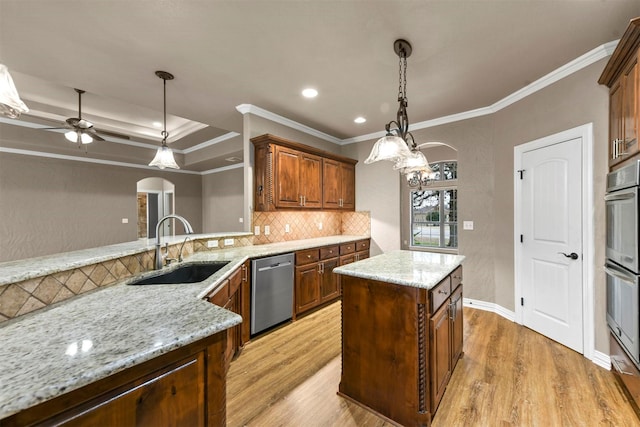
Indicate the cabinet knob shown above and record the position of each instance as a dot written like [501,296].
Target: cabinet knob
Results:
[308,256]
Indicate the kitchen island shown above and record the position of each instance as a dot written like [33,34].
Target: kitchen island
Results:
[401,332]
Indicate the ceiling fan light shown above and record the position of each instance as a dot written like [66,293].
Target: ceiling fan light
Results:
[388,147]
[164,159]
[72,136]
[85,138]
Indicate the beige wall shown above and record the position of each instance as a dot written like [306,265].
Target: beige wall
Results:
[49,206]
[222,198]
[485,183]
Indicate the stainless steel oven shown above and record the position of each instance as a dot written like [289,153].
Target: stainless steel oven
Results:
[622,308]
[623,264]
[622,217]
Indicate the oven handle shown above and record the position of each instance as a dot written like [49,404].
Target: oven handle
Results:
[620,275]
[622,196]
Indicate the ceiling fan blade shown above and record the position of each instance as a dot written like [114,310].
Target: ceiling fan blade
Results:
[94,134]
[112,134]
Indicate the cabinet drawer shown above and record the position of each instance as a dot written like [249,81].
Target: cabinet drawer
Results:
[307,256]
[347,248]
[220,295]
[362,245]
[329,252]
[456,278]
[439,293]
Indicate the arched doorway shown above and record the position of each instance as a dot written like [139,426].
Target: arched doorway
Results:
[156,198]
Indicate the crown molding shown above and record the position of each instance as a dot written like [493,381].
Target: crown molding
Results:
[260,112]
[90,160]
[222,169]
[210,142]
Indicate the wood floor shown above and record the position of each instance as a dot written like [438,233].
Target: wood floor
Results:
[508,376]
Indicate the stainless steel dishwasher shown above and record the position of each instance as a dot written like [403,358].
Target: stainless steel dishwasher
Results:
[271,291]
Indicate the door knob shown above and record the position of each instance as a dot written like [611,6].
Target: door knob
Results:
[572,255]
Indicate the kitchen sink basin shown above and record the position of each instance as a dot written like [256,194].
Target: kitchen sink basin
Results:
[187,273]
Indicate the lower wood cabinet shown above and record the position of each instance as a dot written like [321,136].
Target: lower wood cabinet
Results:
[307,287]
[186,387]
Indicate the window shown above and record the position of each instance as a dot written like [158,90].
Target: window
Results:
[434,212]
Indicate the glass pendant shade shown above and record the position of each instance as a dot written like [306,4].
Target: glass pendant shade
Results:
[73,136]
[10,103]
[164,158]
[389,147]
[85,138]
[415,160]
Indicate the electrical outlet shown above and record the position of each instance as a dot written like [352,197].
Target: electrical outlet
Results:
[319,226]
[240,220]
[287,229]
[125,220]
[256,230]
[467,225]
[267,230]
[228,242]
[212,243]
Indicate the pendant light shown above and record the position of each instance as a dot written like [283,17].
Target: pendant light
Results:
[398,144]
[164,155]
[10,103]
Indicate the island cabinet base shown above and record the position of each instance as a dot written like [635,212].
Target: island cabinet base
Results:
[184,387]
[385,339]
[397,357]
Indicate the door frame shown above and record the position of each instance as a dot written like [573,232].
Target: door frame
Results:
[585,132]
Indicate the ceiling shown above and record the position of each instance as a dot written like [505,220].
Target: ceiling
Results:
[466,55]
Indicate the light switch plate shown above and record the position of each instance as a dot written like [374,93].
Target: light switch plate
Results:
[256,230]
[125,220]
[287,228]
[212,243]
[267,230]
[319,226]
[228,242]
[467,225]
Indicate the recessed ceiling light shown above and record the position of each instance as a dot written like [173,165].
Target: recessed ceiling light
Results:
[157,124]
[309,93]
[359,120]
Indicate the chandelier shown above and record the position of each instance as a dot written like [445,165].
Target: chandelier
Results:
[164,155]
[398,144]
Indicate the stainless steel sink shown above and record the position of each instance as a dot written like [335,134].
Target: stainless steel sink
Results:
[186,273]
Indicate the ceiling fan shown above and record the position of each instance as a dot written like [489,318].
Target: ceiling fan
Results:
[80,130]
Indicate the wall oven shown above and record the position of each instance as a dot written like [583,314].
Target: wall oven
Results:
[623,265]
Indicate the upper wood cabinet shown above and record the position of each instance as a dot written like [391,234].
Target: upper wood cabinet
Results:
[621,75]
[289,175]
[339,185]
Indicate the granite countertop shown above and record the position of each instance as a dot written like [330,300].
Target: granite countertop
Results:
[57,349]
[408,268]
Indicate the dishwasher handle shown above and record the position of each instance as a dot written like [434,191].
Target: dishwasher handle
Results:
[274,266]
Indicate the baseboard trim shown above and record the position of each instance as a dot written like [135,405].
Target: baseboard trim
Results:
[601,359]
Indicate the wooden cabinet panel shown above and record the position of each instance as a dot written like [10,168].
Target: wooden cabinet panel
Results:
[307,256]
[332,187]
[440,354]
[329,252]
[362,245]
[307,287]
[348,186]
[616,130]
[630,109]
[347,248]
[310,180]
[439,294]
[457,338]
[245,297]
[329,284]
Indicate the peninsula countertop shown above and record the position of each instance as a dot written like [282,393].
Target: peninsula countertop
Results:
[57,349]
[409,268]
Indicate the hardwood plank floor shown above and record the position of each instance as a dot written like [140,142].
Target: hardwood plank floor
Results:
[508,376]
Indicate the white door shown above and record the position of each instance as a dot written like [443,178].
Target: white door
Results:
[551,242]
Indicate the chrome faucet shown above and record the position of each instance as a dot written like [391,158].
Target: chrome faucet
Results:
[187,229]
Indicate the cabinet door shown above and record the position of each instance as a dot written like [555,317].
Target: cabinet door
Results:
[347,259]
[332,186]
[616,132]
[233,334]
[245,304]
[174,398]
[307,290]
[348,186]
[630,109]
[455,313]
[439,354]
[287,177]
[311,180]
[329,287]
